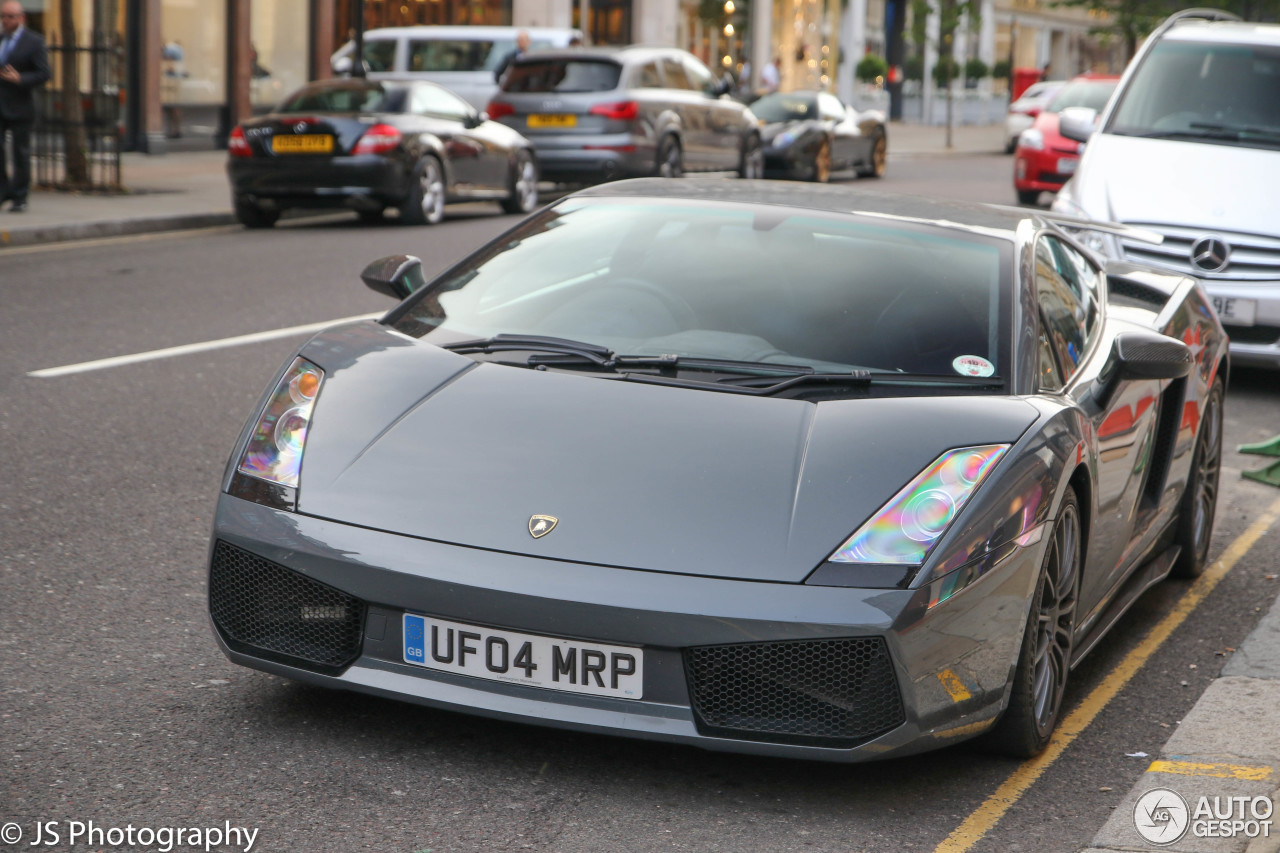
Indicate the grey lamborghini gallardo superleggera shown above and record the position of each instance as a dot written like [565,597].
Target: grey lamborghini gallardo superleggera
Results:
[811,472]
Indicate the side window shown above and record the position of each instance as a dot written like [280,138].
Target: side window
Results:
[673,71]
[699,77]
[1065,307]
[1050,375]
[647,77]
[434,101]
[829,107]
[380,54]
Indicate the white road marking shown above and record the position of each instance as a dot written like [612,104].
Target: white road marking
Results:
[187,349]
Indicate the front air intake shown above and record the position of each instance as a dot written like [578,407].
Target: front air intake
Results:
[831,693]
[264,609]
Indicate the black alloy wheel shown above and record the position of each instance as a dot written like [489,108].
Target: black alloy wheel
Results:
[427,191]
[879,156]
[250,215]
[1044,662]
[1194,526]
[751,164]
[522,185]
[670,160]
[822,163]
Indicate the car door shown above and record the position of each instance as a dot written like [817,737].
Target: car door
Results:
[690,105]
[476,162]
[843,131]
[1072,347]
[725,117]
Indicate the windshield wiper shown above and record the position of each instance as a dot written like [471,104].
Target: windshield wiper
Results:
[1209,130]
[671,361]
[863,378]
[593,353]
[1236,131]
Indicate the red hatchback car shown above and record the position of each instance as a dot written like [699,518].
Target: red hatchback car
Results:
[1044,160]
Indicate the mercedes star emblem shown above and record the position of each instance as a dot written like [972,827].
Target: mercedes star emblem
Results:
[1210,254]
[541,525]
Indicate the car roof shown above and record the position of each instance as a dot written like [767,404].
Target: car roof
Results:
[823,198]
[625,53]
[1224,32]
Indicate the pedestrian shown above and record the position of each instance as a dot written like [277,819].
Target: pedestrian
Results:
[522,47]
[24,65]
[770,77]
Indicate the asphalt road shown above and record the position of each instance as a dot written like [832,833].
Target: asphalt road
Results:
[118,708]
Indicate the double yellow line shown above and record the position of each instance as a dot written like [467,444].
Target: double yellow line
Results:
[984,819]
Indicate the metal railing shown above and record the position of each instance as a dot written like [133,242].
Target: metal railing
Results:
[79,113]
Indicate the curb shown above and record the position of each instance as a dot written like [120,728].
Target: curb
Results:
[1227,746]
[36,235]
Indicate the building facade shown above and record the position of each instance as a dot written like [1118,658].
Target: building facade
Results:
[185,71]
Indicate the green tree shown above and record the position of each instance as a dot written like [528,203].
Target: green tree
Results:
[870,67]
[976,69]
[1002,70]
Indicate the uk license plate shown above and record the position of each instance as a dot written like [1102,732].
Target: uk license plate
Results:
[303,143]
[1237,312]
[1067,165]
[552,120]
[572,666]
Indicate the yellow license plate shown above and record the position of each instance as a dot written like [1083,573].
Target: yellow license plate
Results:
[303,143]
[554,120]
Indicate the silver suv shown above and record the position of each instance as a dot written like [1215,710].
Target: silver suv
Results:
[1189,147]
[594,114]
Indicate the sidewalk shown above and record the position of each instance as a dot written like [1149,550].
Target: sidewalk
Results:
[1228,746]
[182,190]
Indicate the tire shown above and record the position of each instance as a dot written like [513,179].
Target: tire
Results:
[879,157]
[425,205]
[751,164]
[822,164]
[1194,526]
[250,215]
[1044,662]
[522,185]
[1028,196]
[670,160]
[1011,145]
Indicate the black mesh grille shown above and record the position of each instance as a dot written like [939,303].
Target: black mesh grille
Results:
[818,692]
[1253,334]
[268,610]
[1119,289]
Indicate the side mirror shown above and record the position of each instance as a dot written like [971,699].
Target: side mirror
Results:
[721,87]
[1141,355]
[1077,123]
[396,276]
[474,120]
[341,66]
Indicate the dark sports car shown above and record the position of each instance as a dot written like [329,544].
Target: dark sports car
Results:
[816,473]
[809,135]
[367,146]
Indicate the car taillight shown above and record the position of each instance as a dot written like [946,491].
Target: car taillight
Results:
[237,145]
[622,111]
[497,110]
[378,139]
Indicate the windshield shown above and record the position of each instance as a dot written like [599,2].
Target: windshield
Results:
[752,283]
[344,97]
[562,75]
[776,107]
[1224,93]
[1084,93]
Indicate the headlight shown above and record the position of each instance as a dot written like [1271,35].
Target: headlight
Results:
[274,450]
[1031,139]
[782,140]
[905,528]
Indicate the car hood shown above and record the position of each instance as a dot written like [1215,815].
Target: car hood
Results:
[414,440]
[1126,179]
[769,132]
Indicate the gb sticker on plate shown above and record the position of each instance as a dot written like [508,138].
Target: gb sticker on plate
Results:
[973,365]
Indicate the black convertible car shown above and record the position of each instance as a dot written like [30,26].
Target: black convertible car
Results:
[795,471]
[368,146]
[809,135]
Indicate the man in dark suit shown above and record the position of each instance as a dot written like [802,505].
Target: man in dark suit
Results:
[24,65]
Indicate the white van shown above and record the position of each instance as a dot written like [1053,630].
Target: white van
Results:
[462,59]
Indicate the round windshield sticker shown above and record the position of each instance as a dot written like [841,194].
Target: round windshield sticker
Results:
[973,365]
